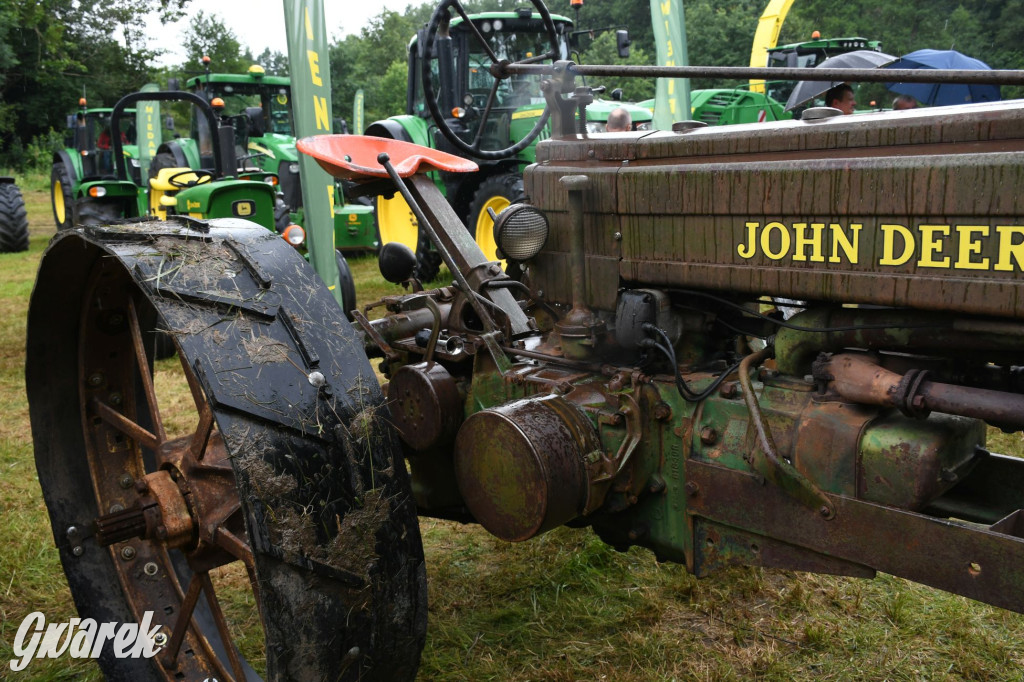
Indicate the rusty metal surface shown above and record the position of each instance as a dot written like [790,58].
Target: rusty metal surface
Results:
[521,466]
[955,557]
[824,213]
[425,404]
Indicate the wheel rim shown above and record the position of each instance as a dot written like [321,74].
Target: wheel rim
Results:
[484,233]
[165,500]
[396,222]
[59,210]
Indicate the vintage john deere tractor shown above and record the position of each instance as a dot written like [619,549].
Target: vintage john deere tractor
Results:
[488,112]
[637,375]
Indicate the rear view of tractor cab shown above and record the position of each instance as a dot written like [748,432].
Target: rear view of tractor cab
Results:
[88,156]
[174,187]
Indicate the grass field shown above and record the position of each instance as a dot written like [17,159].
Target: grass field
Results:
[561,607]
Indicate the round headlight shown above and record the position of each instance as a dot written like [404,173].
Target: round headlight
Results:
[520,232]
[294,235]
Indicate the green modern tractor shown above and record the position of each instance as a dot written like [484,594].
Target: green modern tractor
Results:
[262,104]
[87,157]
[485,113]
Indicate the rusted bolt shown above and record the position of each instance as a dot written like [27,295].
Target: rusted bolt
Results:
[78,550]
[656,484]
[96,379]
[126,481]
[708,435]
[116,399]
[150,568]
[662,411]
[825,512]
[729,390]
[161,532]
[691,488]
[141,486]
[128,553]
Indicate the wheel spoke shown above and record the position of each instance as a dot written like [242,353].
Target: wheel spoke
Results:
[201,437]
[144,374]
[222,626]
[169,656]
[125,425]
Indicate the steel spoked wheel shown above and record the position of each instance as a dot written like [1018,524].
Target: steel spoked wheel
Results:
[256,467]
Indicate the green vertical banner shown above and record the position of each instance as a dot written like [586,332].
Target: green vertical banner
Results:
[148,133]
[672,97]
[311,110]
[357,113]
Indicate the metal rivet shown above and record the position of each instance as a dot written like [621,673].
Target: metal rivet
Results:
[708,436]
[95,379]
[691,488]
[71,531]
[618,236]
[114,508]
[150,568]
[160,639]
[77,550]
[116,399]
[126,481]
[128,553]
[317,379]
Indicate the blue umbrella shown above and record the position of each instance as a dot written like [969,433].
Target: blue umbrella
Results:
[941,94]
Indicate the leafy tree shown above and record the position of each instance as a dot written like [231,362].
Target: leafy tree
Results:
[210,36]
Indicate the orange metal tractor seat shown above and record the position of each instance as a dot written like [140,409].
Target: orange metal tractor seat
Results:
[354,157]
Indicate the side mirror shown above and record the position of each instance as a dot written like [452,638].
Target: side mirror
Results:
[169,122]
[623,42]
[617,94]
[397,262]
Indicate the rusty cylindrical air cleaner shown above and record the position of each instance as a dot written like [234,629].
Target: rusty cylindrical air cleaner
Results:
[521,467]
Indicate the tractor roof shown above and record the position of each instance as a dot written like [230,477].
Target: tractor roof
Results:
[239,79]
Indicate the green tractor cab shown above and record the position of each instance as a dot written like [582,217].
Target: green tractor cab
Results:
[261,105]
[808,54]
[87,157]
[171,189]
[486,113]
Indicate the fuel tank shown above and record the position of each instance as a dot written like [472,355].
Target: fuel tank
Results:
[921,208]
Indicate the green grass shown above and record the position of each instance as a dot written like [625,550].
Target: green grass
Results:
[561,607]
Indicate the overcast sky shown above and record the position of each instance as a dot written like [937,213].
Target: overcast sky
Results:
[260,23]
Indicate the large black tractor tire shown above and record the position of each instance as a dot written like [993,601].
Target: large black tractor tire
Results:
[282,215]
[13,219]
[98,212]
[287,470]
[347,283]
[396,222]
[61,198]
[496,193]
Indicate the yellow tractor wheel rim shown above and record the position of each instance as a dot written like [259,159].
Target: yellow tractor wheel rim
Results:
[485,226]
[58,202]
[396,222]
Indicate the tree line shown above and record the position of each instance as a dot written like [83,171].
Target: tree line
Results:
[54,51]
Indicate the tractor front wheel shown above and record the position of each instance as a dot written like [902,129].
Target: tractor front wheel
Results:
[61,198]
[496,193]
[13,219]
[277,497]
